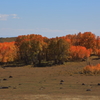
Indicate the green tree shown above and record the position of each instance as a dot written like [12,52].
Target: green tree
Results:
[58,50]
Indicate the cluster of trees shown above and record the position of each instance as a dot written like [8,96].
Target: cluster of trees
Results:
[31,48]
[36,49]
[86,39]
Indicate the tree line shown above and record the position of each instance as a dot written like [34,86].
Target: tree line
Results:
[38,50]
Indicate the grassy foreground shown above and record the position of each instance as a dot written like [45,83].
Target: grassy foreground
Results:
[62,80]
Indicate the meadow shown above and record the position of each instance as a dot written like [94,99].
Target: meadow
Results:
[58,82]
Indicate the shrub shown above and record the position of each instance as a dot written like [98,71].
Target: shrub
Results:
[92,69]
[79,52]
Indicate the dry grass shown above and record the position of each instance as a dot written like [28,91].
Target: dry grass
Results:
[28,81]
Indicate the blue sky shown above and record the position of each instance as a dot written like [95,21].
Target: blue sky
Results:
[49,18]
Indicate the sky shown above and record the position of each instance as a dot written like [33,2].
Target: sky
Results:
[49,18]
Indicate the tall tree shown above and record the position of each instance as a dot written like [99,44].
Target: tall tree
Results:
[8,52]
[87,39]
[31,48]
[58,50]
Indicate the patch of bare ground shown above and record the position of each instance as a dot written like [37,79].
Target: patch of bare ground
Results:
[64,82]
[48,97]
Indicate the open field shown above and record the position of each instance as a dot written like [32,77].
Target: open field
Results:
[63,82]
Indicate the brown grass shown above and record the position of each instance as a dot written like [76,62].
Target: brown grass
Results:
[28,80]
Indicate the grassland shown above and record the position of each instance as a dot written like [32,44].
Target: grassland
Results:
[49,83]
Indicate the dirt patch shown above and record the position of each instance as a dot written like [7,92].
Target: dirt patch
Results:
[48,97]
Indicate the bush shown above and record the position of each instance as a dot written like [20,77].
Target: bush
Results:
[79,52]
[92,69]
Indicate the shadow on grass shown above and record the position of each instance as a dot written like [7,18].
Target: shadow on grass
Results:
[12,64]
[95,58]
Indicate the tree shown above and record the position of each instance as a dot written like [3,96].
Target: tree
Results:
[87,39]
[98,42]
[79,52]
[31,48]
[97,52]
[58,50]
[8,52]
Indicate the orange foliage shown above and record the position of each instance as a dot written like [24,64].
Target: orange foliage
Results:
[79,52]
[97,51]
[66,38]
[72,38]
[7,51]
[92,69]
[31,47]
[86,39]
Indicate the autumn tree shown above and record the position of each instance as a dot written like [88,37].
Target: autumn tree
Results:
[31,48]
[87,39]
[38,47]
[58,50]
[8,52]
[71,38]
[79,52]
[97,52]
[98,42]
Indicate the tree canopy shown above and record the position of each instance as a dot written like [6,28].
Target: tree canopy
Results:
[35,49]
